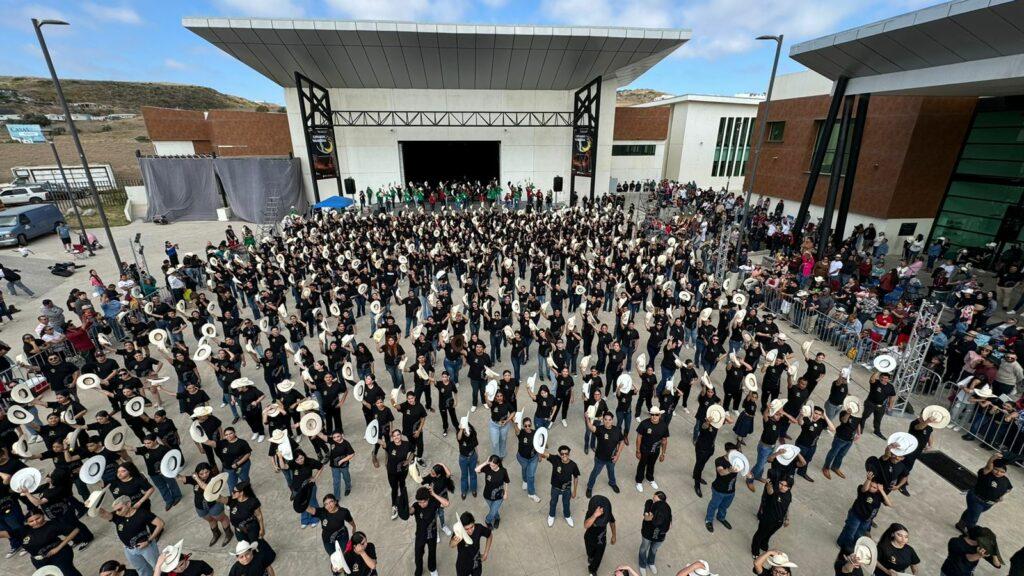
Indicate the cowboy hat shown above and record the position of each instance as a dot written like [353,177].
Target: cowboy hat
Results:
[936,416]
[807,409]
[87,381]
[806,346]
[750,383]
[172,463]
[776,406]
[272,409]
[196,432]
[716,415]
[264,324]
[92,469]
[95,500]
[705,380]
[20,447]
[739,299]
[375,307]
[202,353]
[27,478]
[585,362]
[656,411]
[491,389]
[780,559]
[209,330]
[158,381]
[241,547]
[884,363]
[21,393]
[242,382]
[984,392]
[311,424]
[49,570]
[216,487]
[641,362]
[335,309]
[338,563]
[581,290]
[285,385]
[361,289]
[372,433]
[624,383]
[460,530]
[114,440]
[739,460]
[789,453]
[903,444]
[853,405]
[307,405]
[180,306]
[540,439]
[865,554]
[135,406]
[348,372]
[18,415]
[172,556]
[158,336]
[378,335]
[772,355]
[359,391]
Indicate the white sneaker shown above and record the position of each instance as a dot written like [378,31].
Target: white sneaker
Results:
[222,404]
[302,526]
[534,497]
[639,487]
[524,485]
[472,409]
[568,520]
[260,439]
[643,572]
[654,569]
[654,485]
[437,538]
[434,573]
[254,435]
[394,512]
[1011,312]
[551,520]
[638,420]
[447,531]
[564,423]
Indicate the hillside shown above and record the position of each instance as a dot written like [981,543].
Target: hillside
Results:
[20,95]
[632,97]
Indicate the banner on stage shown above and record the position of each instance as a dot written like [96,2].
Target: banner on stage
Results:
[583,151]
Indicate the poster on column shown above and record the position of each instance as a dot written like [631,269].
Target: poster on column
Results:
[583,151]
[322,153]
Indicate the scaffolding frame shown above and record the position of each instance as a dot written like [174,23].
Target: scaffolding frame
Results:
[912,358]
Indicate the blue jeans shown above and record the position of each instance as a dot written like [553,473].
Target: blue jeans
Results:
[598,465]
[493,510]
[975,507]
[337,474]
[666,375]
[719,505]
[168,488]
[239,475]
[834,458]
[396,376]
[13,522]
[529,468]
[499,438]
[143,559]
[305,518]
[763,452]
[543,372]
[541,422]
[854,528]
[467,467]
[648,550]
[565,495]
[453,369]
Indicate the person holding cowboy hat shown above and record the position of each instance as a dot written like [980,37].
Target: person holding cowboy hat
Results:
[173,562]
[990,488]
[49,543]
[773,563]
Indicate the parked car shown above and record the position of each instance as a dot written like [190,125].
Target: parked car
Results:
[20,224]
[18,195]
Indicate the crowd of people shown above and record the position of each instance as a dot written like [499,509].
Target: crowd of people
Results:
[471,328]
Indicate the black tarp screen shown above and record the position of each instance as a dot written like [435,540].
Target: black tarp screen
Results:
[180,188]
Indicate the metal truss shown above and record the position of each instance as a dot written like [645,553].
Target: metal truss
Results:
[383,119]
[912,358]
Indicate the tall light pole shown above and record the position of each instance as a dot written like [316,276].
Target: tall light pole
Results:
[71,194]
[38,25]
[760,137]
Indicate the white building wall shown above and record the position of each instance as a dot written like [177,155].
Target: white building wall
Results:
[800,85]
[697,134]
[626,168]
[173,147]
[372,156]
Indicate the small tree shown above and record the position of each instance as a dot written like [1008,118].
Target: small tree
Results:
[262,108]
[34,118]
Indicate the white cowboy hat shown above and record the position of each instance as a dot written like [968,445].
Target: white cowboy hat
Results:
[806,346]
[202,353]
[807,409]
[358,391]
[775,406]
[209,330]
[27,478]
[200,411]
[158,336]
[375,307]
[272,409]
[172,556]
[984,392]
[21,393]
[641,362]
[135,406]
[87,381]
[781,560]
[311,424]
[348,372]
[338,563]
[172,463]
[491,389]
[92,469]
[460,531]
[905,444]
[157,381]
[936,416]
[372,433]
[196,432]
[789,453]
[278,436]
[750,383]
[656,410]
[335,309]
[884,363]
[585,362]
[361,289]
[285,385]
[865,553]
[242,382]
[624,383]
[241,547]
[264,324]
[114,440]
[716,415]
[68,416]
[853,405]
[307,405]
[20,447]
[739,460]
[147,307]
[18,415]
[379,334]
[739,299]
[95,500]
[540,439]
[49,570]
[772,355]
[581,290]
[705,381]
[216,487]
[180,306]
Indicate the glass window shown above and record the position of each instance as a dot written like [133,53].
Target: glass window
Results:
[973,207]
[990,168]
[775,131]
[830,150]
[633,149]
[1005,193]
[1011,152]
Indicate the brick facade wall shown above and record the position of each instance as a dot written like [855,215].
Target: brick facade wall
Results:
[226,132]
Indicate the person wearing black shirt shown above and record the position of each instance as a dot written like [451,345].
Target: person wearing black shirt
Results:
[478,360]
[565,476]
[234,454]
[399,456]
[527,457]
[895,554]
[651,447]
[51,543]
[496,491]
[468,442]
[598,519]
[723,491]
[609,443]
[211,512]
[838,392]
[657,520]
[921,430]
[253,558]
[963,554]
[333,519]
[810,430]
[414,418]
[340,455]
[870,497]
[424,510]
[992,485]
[847,432]
[501,418]
[772,514]
[139,531]
[469,560]
[881,396]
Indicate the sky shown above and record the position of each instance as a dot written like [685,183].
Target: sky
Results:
[143,40]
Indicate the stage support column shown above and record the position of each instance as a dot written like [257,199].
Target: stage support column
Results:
[851,169]
[819,156]
[318,130]
[586,112]
[835,177]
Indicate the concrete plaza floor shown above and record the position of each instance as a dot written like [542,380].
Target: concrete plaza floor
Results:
[524,544]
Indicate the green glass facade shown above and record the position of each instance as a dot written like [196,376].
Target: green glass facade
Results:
[989,175]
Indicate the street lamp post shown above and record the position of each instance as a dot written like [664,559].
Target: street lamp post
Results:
[760,136]
[38,25]
[71,194]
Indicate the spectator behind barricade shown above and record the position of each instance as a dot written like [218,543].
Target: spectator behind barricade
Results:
[54,313]
[881,248]
[1008,377]
[78,337]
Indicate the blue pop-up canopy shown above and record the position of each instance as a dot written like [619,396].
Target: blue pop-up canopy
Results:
[335,202]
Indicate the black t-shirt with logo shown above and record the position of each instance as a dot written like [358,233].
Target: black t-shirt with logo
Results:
[866,504]
[607,441]
[494,482]
[411,416]
[398,454]
[499,411]
[810,430]
[356,563]
[896,559]
[774,507]
[838,393]
[469,560]
[232,452]
[132,530]
[989,488]
[652,435]
[661,520]
[152,457]
[598,531]
[39,541]
[426,518]
[333,525]
[957,563]
[339,451]
[724,483]
[526,449]
[468,441]
[562,473]
[770,432]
